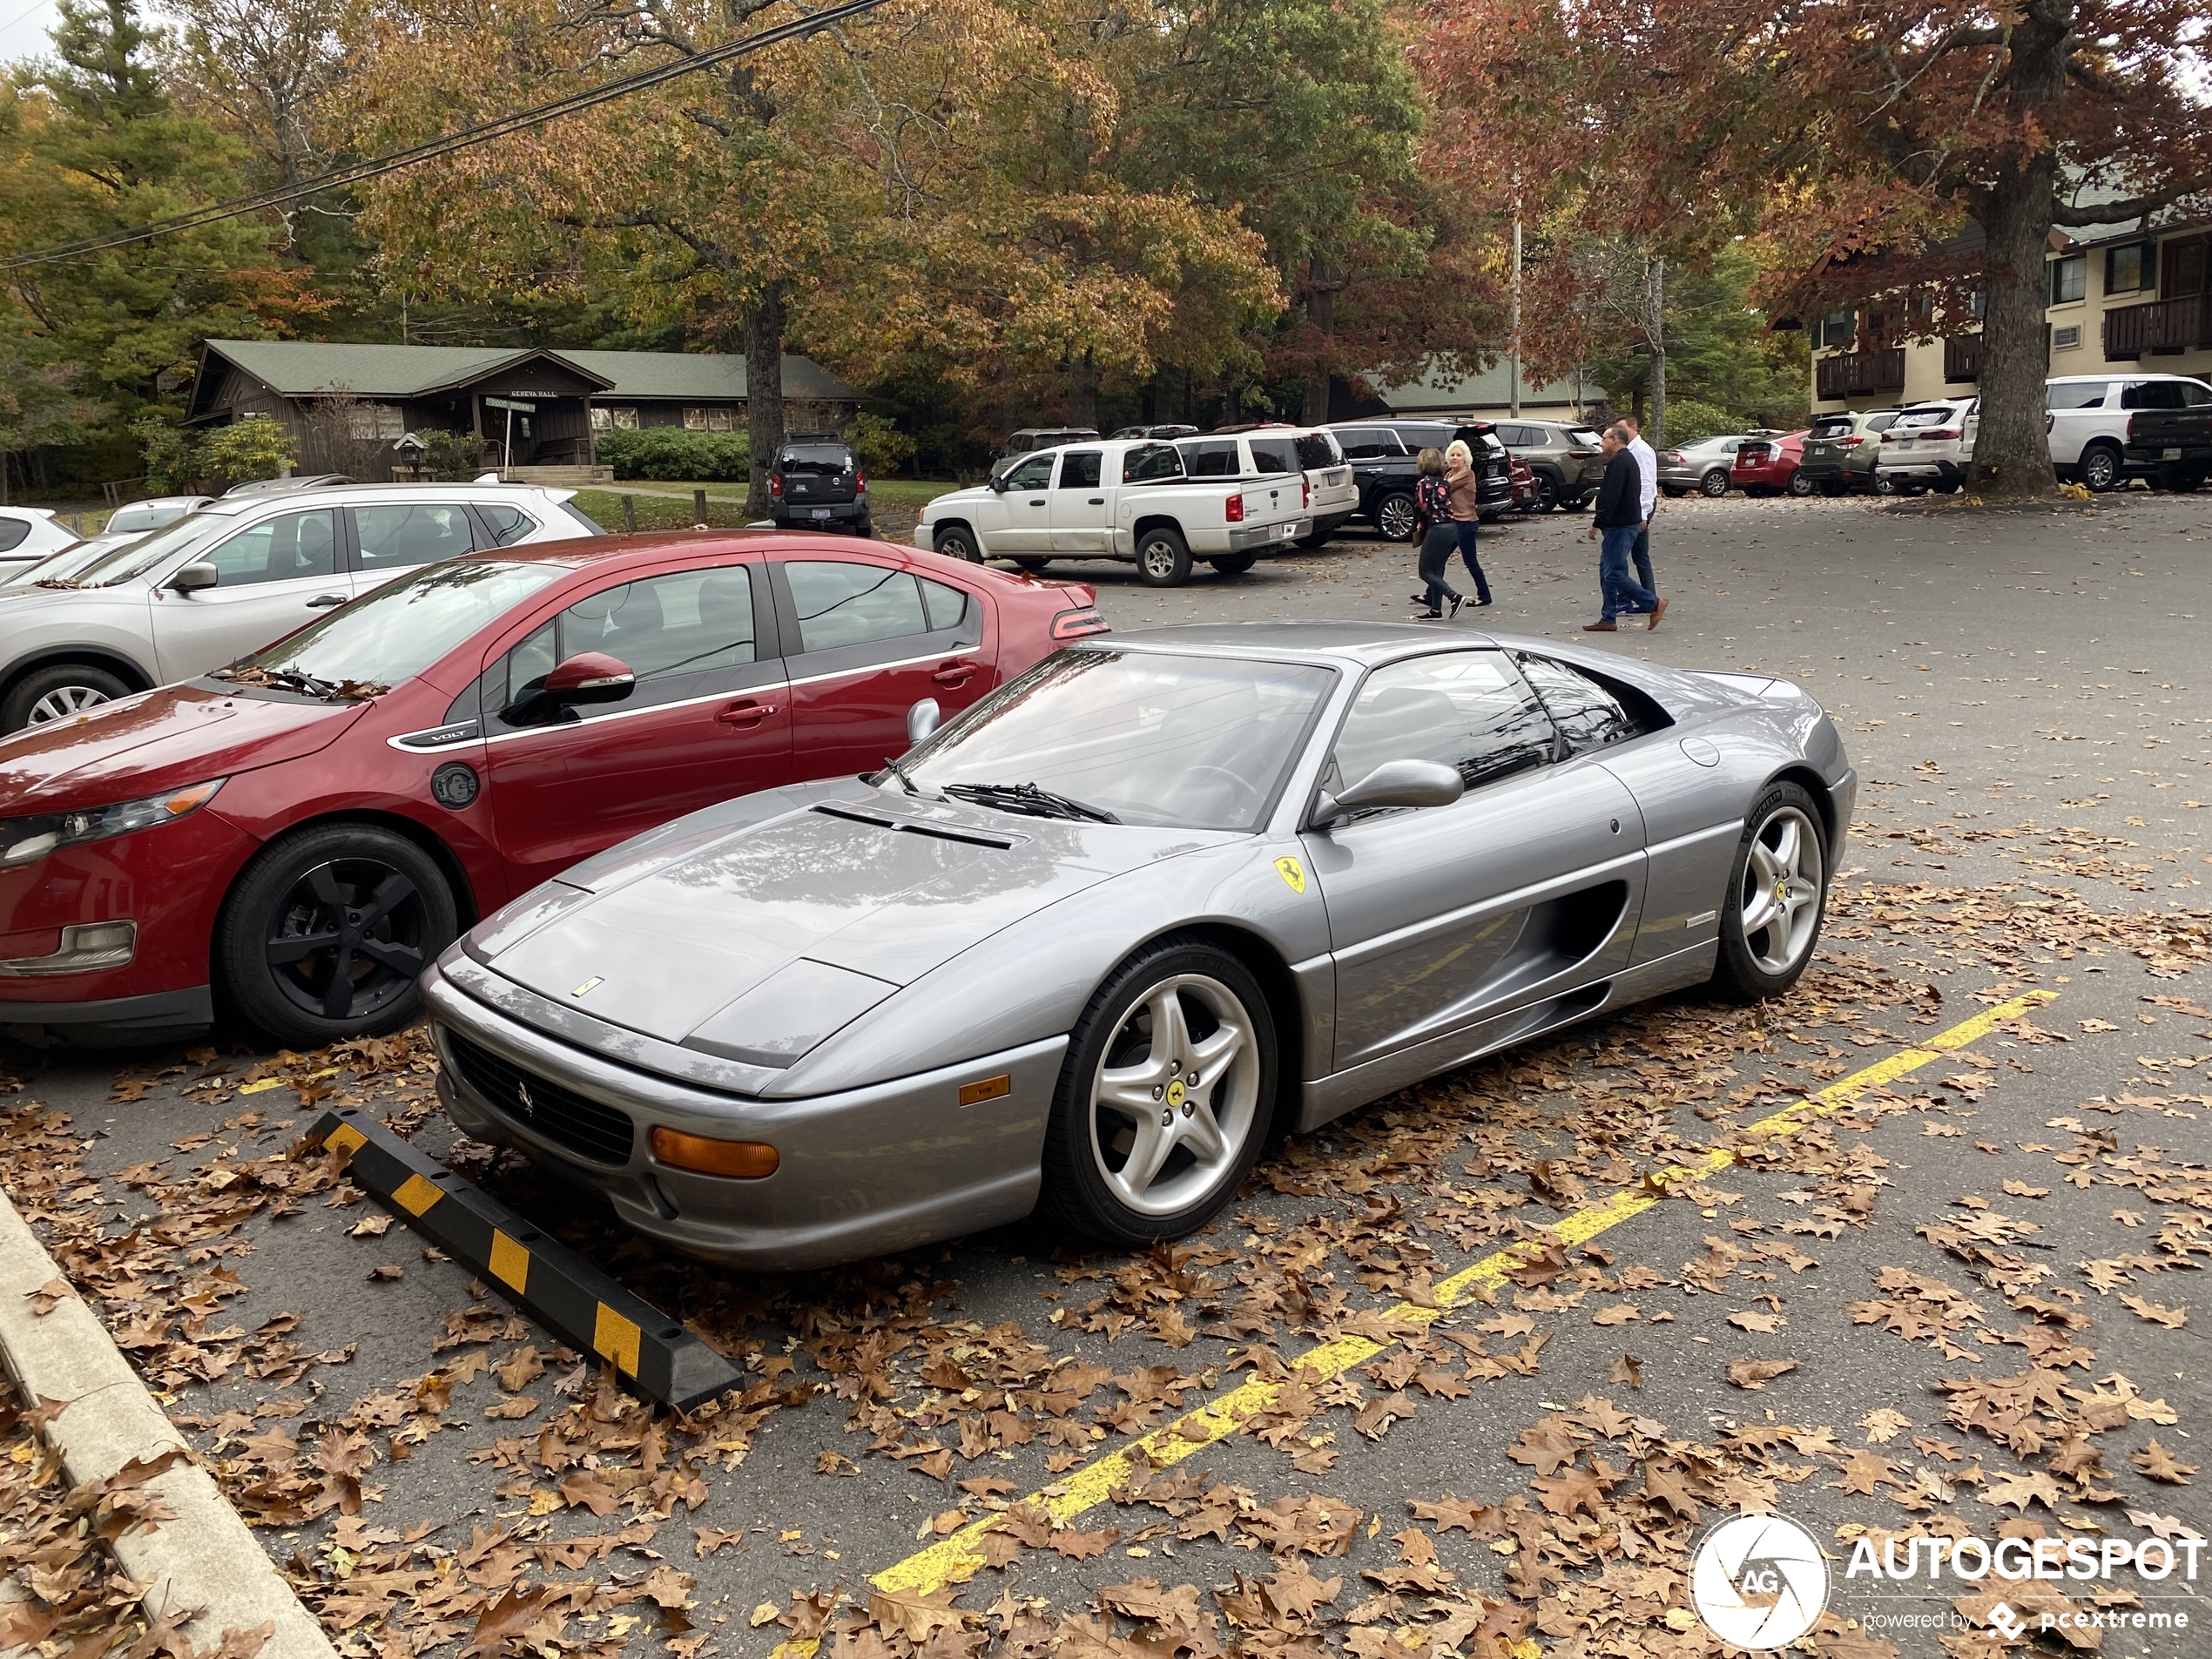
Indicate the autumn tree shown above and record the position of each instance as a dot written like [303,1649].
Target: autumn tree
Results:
[1857,127]
[90,143]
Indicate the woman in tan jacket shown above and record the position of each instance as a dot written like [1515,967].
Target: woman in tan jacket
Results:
[1464,490]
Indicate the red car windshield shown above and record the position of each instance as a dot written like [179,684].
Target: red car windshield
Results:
[399,630]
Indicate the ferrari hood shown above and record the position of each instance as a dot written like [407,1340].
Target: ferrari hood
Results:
[164,739]
[758,945]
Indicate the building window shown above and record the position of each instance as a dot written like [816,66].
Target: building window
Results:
[695,420]
[626,420]
[607,419]
[376,420]
[717,420]
[2066,339]
[2128,270]
[1836,328]
[2069,278]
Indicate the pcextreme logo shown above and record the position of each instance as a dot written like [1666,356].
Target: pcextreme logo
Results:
[1758,1582]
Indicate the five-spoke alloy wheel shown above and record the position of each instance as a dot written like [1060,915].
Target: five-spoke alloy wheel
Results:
[1166,1095]
[1777,895]
[325,934]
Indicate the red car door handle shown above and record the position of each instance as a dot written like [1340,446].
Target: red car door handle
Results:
[954,674]
[745,713]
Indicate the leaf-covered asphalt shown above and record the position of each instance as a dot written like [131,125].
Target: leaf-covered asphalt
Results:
[1959,1303]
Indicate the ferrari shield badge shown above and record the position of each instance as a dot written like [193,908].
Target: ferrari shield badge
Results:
[1293,873]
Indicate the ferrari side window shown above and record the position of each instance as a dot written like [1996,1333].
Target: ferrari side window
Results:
[1589,714]
[1468,710]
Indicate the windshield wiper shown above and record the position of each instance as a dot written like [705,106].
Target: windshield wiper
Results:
[290,679]
[1028,798]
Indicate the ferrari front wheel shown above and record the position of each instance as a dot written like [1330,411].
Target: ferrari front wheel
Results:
[1164,1098]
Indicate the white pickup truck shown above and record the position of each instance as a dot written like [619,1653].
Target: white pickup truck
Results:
[1131,500]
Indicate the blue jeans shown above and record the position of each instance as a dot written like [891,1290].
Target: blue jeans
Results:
[1643,560]
[1469,533]
[1624,595]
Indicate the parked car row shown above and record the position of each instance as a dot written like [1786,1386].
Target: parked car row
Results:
[292,832]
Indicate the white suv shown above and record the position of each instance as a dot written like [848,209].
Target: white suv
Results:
[2087,420]
[237,574]
[1266,451]
[1927,447]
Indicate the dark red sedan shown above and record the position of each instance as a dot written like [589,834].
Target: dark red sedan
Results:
[293,837]
[1769,466]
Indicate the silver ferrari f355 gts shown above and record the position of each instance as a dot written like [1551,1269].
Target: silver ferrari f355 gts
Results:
[1090,945]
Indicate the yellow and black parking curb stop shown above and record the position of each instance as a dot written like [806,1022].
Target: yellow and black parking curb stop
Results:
[552,1282]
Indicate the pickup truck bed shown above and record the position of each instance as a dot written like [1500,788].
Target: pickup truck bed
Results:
[2173,445]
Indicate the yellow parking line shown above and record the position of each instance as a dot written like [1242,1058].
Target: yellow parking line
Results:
[955,1558]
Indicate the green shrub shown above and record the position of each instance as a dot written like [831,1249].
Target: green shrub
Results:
[1690,419]
[675,452]
[882,447]
[179,462]
[449,457]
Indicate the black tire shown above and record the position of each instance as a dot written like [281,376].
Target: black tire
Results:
[958,542]
[1163,557]
[865,528]
[1083,1136]
[1835,486]
[1755,963]
[2180,479]
[325,883]
[1884,484]
[1547,494]
[1800,486]
[1033,562]
[1236,563]
[1319,538]
[1672,492]
[2101,468]
[1714,484]
[58,692]
[1946,487]
[1396,517]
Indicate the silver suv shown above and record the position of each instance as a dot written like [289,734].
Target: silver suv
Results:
[1563,454]
[237,574]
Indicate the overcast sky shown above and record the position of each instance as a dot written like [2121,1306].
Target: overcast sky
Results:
[23,24]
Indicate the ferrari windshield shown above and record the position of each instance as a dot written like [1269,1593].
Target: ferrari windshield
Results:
[1173,741]
[400,629]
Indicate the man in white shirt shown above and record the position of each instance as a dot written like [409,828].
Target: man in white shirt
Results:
[1647,464]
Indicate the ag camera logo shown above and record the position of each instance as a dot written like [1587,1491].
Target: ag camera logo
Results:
[1758,1582]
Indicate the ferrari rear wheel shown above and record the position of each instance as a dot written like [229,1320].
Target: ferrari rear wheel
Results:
[1164,1098]
[1778,893]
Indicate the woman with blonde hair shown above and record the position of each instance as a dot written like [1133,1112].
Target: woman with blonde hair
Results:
[1464,490]
[1439,536]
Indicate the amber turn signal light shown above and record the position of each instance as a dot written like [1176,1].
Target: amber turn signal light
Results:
[745,1160]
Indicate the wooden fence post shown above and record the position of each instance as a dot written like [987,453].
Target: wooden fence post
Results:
[698,507]
[629,514]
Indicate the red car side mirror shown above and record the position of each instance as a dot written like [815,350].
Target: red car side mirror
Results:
[590,677]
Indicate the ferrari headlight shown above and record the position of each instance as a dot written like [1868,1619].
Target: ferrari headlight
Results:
[25,840]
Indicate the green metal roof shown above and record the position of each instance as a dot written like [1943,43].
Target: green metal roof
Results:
[306,368]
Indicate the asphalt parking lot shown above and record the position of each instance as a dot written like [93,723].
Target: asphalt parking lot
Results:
[1954,1299]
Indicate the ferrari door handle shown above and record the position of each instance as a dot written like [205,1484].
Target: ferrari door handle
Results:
[746,714]
[953,674]
[324,600]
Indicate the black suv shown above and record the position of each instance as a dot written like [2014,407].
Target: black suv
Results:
[1385,459]
[816,484]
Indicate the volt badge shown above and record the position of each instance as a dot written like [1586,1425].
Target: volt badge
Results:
[1293,873]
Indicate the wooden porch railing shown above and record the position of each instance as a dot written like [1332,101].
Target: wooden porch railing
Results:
[2162,324]
[1962,357]
[1856,373]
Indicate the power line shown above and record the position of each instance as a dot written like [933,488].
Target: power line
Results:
[430,150]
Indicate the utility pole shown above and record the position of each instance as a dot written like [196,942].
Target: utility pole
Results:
[1513,392]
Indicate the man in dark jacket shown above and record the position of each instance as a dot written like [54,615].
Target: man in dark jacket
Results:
[1618,518]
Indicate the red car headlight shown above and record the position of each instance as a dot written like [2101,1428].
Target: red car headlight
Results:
[25,840]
